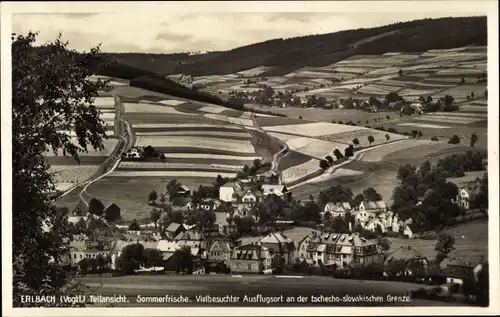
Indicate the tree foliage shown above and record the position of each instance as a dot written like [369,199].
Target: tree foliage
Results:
[51,93]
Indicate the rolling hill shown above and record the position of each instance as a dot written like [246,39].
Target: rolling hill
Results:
[287,55]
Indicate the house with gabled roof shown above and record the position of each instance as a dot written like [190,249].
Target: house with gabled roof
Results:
[337,209]
[303,245]
[251,258]
[175,228]
[375,224]
[372,206]
[354,249]
[321,249]
[220,251]
[192,238]
[409,255]
[280,245]
[278,190]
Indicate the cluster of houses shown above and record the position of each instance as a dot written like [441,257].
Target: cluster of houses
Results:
[257,255]
[371,215]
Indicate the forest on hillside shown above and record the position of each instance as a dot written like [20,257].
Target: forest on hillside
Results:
[287,55]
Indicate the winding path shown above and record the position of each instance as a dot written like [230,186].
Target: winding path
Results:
[125,143]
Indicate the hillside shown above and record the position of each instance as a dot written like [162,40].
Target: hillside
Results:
[287,55]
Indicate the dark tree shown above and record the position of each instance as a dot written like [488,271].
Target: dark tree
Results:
[338,154]
[323,164]
[329,159]
[134,226]
[400,72]
[371,139]
[96,207]
[387,137]
[153,196]
[455,139]
[445,244]
[473,139]
[355,142]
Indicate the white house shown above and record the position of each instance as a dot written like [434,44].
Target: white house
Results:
[337,209]
[374,224]
[372,206]
[278,190]
[226,191]
[465,196]
[410,230]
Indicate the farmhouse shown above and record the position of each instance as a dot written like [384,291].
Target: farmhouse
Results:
[372,206]
[278,190]
[408,255]
[375,224]
[251,258]
[457,270]
[83,247]
[112,212]
[465,195]
[337,209]
[175,228]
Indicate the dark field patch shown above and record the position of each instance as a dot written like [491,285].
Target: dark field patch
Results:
[292,158]
[167,150]
[84,160]
[276,121]
[231,113]
[70,200]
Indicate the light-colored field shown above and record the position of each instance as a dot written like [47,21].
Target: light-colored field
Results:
[460,72]
[237,146]
[313,129]
[172,102]
[237,121]
[461,114]
[449,119]
[212,109]
[282,136]
[182,125]
[172,174]
[299,171]
[423,125]
[474,108]
[254,71]
[151,108]
[339,172]
[107,116]
[198,133]
[417,92]
[377,154]
[109,146]
[314,147]
[188,156]
[362,136]
[72,173]
[64,186]
[166,166]
[371,90]
[104,102]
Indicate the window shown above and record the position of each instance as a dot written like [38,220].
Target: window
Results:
[337,257]
[81,256]
[359,250]
[338,248]
[249,267]
[74,256]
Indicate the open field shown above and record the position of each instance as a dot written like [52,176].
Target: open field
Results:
[151,108]
[471,242]
[251,285]
[131,192]
[226,144]
[315,129]
[91,157]
[292,158]
[150,119]
[380,137]
[72,173]
[300,172]
[469,177]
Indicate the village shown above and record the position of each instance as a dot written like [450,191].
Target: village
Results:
[244,231]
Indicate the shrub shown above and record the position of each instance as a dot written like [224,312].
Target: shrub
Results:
[434,138]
